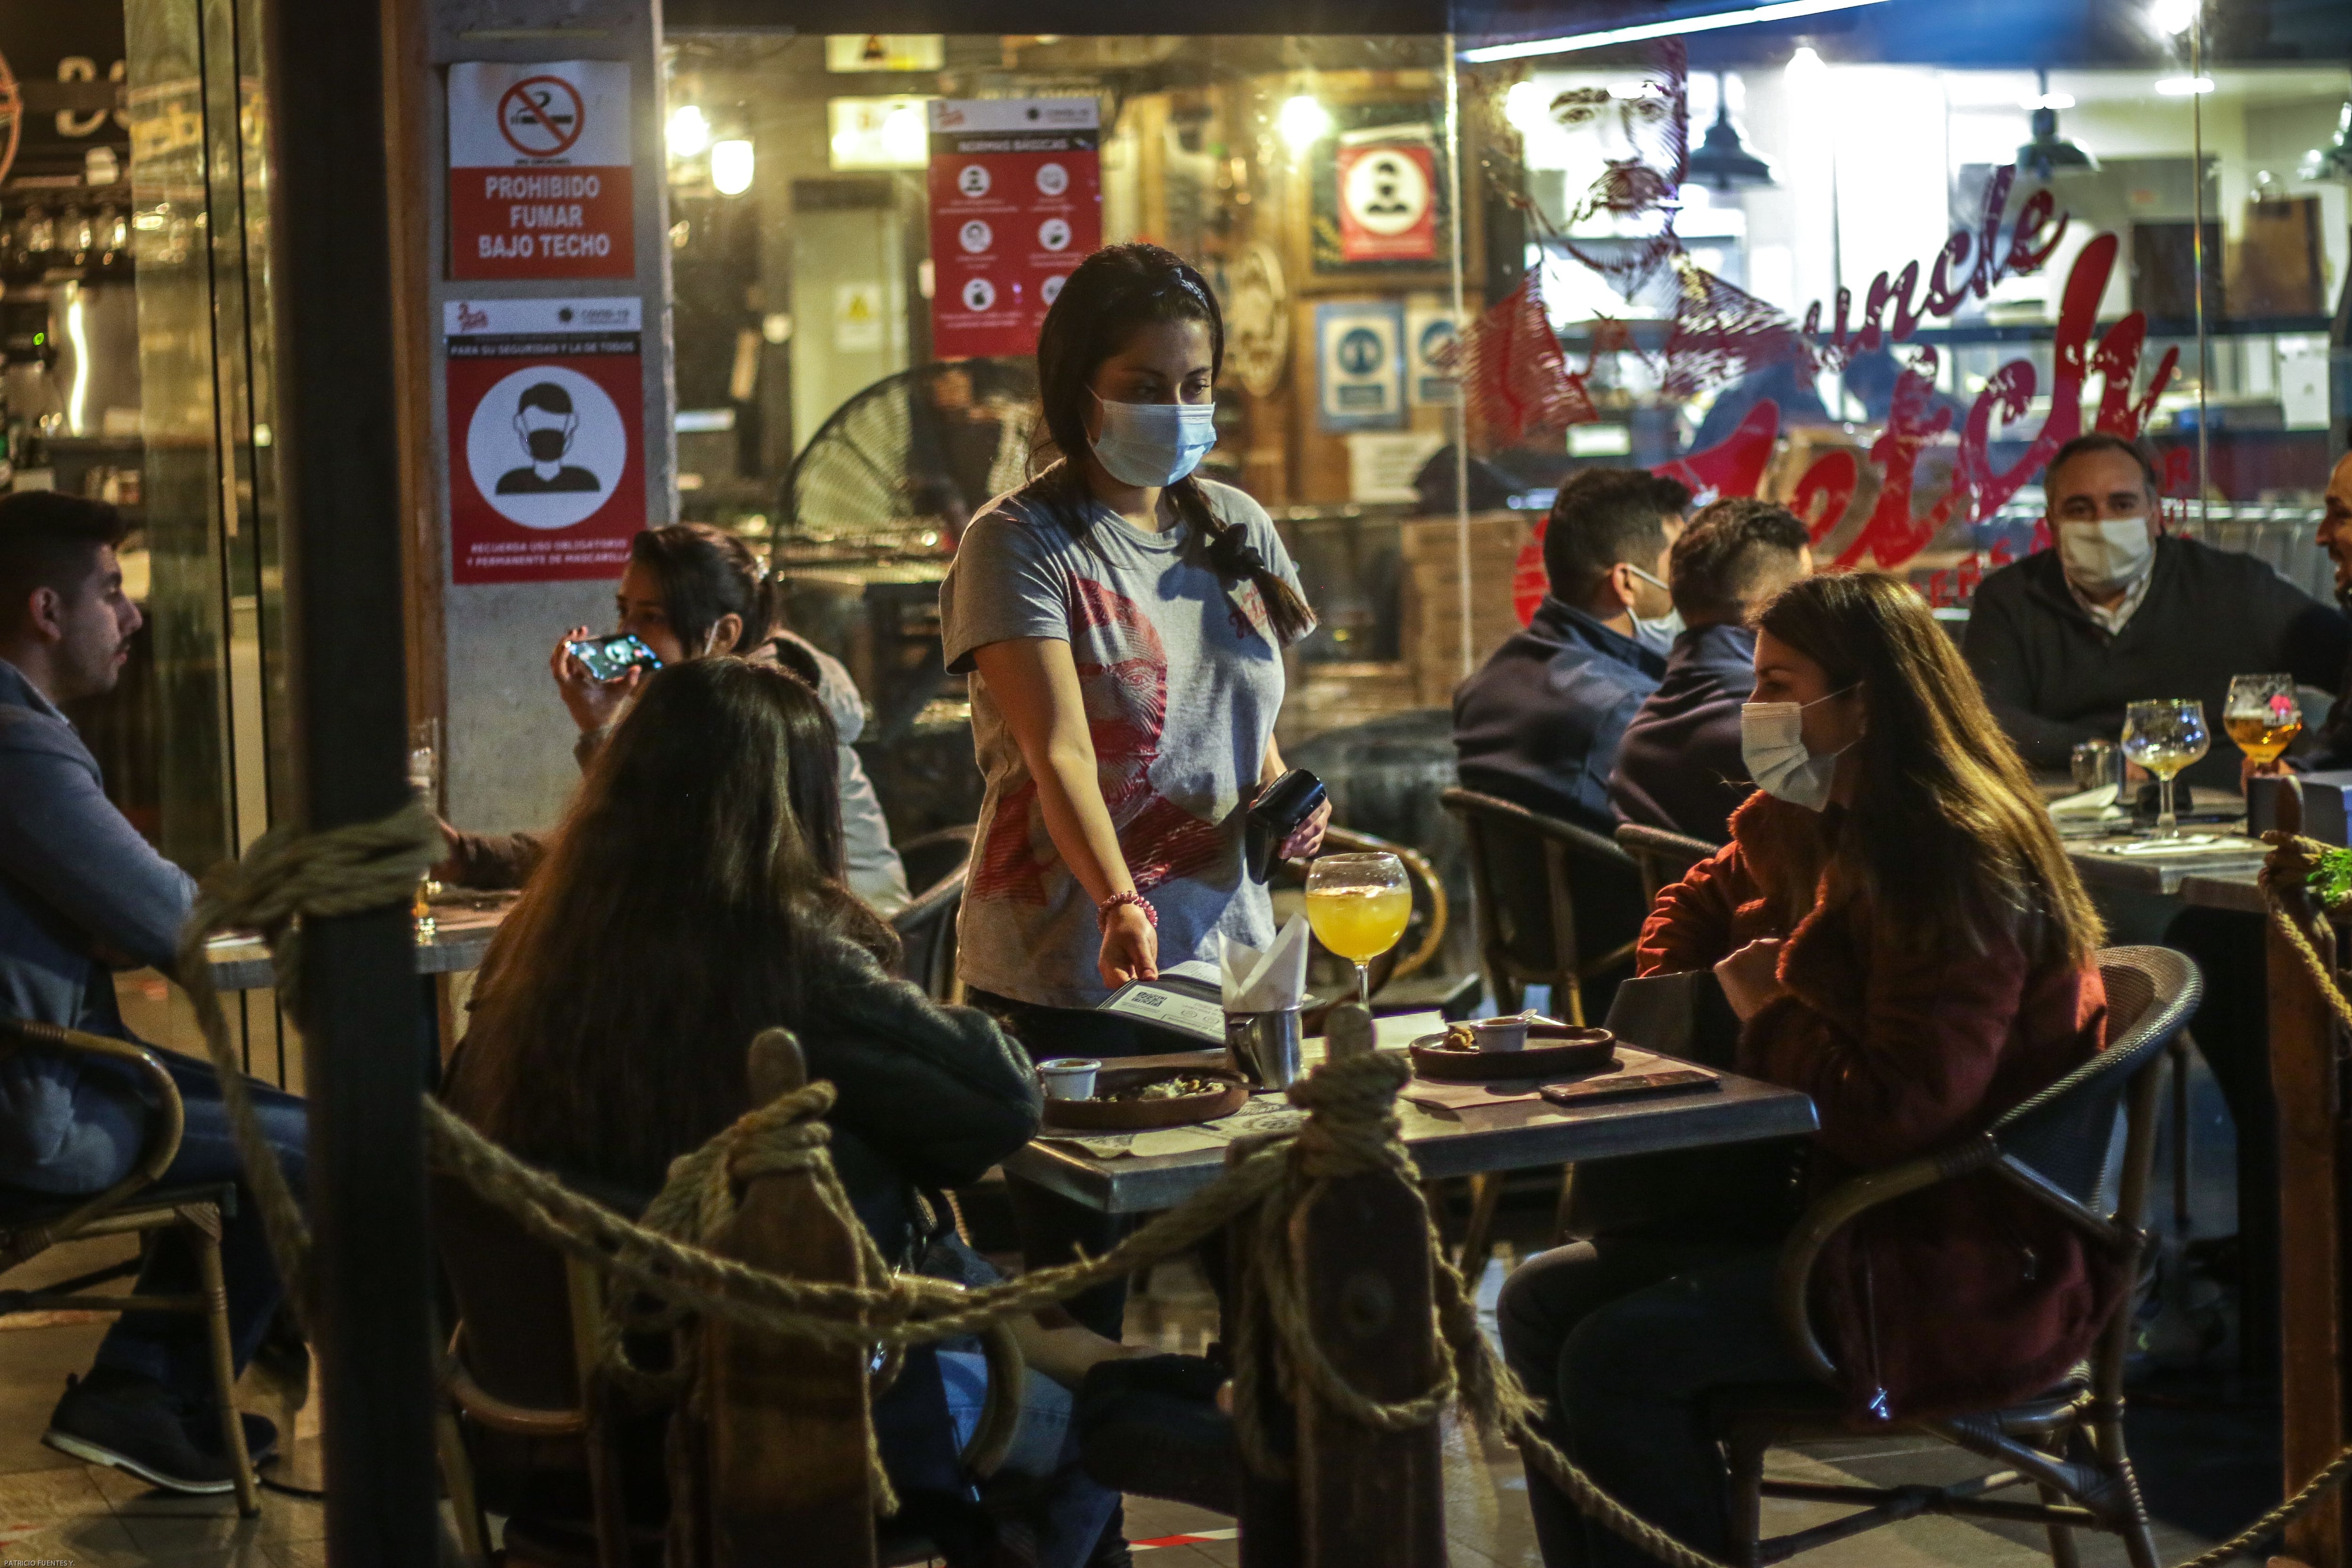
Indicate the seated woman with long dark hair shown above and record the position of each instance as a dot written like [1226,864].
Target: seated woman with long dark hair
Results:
[1902,937]
[692,897]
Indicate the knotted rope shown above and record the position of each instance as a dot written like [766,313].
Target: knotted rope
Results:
[1352,1130]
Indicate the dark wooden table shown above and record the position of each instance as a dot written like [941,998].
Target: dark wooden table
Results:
[461,936]
[1474,1141]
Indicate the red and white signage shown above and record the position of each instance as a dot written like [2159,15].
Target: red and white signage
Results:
[547,479]
[1017,202]
[539,170]
[1388,202]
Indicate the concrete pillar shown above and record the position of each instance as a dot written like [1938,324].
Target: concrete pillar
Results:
[506,738]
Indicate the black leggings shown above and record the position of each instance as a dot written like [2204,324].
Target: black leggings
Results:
[1055,1228]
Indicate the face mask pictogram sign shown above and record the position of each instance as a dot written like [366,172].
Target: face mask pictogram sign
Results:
[539,170]
[546,401]
[1017,202]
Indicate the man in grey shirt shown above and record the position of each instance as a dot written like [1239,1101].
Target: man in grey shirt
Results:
[82,894]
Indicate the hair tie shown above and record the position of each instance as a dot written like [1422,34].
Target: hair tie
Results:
[1230,552]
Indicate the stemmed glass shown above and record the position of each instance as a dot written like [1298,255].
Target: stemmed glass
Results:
[424,780]
[1358,905]
[2164,737]
[2263,716]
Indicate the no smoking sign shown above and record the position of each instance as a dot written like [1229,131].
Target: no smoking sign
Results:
[540,166]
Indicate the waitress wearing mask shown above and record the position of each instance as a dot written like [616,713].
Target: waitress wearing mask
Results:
[1123,621]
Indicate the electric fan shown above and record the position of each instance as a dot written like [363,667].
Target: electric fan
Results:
[917,452]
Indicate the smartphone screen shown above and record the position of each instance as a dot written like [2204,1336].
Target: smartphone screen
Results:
[609,658]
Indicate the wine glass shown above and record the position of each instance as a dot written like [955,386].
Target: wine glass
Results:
[2164,737]
[1358,905]
[423,779]
[2263,716]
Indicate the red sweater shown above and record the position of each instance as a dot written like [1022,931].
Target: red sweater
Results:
[1967,1295]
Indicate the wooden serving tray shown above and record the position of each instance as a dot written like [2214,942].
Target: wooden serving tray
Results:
[1144,1115]
[1565,1049]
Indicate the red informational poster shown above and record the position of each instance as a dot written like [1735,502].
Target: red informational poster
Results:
[1388,202]
[1017,202]
[539,170]
[547,482]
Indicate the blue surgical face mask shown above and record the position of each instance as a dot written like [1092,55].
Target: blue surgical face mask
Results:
[1772,744]
[1154,443]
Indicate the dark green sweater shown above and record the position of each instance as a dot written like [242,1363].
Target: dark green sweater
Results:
[2054,677]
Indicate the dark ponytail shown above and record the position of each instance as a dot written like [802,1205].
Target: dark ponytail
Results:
[1114,291]
[706,573]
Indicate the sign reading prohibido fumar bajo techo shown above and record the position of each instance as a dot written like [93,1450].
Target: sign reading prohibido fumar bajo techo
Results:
[546,428]
[539,170]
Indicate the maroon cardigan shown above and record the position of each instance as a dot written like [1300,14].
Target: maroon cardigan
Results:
[1967,1295]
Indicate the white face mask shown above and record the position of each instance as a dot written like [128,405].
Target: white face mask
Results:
[1658,633]
[1772,744]
[2100,557]
[1154,443]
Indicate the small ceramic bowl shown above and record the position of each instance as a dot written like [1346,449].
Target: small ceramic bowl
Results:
[1508,1034]
[1069,1078]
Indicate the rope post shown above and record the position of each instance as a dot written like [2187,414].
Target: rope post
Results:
[2306,1072]
[1369,1499]
[768,1396]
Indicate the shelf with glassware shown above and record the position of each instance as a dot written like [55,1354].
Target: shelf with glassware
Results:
[53,230]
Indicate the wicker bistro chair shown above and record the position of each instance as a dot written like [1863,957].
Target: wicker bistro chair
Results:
[1556,905]
[936,864]
[2069,1443]
[534,1427]
[1664,858]
[134,1205]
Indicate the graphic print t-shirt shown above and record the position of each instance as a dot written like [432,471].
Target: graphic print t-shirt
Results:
[1182,677]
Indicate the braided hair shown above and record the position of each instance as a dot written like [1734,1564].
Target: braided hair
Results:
[1102,303]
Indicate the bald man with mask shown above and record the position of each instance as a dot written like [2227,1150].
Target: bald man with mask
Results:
[2119,610]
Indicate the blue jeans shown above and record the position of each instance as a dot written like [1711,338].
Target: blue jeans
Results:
[170,1347]
[1047,1511]
[1622,1338]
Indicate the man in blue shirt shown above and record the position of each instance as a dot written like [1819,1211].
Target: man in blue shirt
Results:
[1679,766]
[81,895]
[1540,725]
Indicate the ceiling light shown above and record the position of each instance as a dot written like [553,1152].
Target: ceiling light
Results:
[1722,162]
[2049,154]
[1303,122]
[1786,10]
[689,131]
[2333,161]
[2183,85]
[730,166]
[2173,17]
[905,135]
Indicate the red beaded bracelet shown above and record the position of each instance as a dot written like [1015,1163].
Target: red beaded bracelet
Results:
[1103,910]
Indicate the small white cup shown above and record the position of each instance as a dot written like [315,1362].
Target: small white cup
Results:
[1501,1034]
[1069,1078]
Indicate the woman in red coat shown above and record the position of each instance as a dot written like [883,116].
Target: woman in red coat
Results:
[1902,938]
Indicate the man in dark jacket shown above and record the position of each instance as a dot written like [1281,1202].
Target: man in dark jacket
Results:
[1679,766]
[2063,639]
[1538,726]
[82,894]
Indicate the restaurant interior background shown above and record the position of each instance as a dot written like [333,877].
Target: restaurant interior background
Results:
[1785,257]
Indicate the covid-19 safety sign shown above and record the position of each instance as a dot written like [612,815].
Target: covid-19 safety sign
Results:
[1017,203]
[546,428]
[539,170]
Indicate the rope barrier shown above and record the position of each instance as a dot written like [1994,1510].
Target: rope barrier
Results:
[1352,1130]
